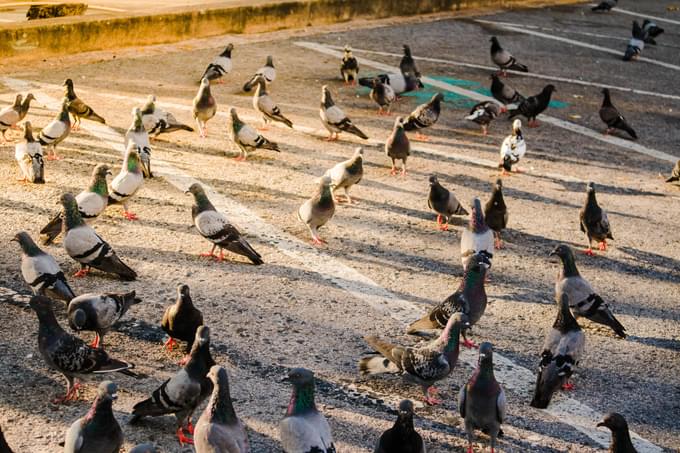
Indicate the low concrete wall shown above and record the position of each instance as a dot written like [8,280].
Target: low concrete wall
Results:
[70,35]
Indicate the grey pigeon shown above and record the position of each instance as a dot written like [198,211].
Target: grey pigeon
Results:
[605,5]
[218,429]
[318,210]
[267,71]
[91,202]
[85,246]
[675,174]
[29,156]
[349,68]
[219,66]
[402,437]
[98,431]
[612,117]
[496,213]
[481,402]
[265,105]
[636,44]
[618,425]
[157,121]
[424,116]
[504,93]
[78,108]
[56,131]
[216,228]
[128,181]
[513,148]
[470,299]
[4,447]
[583,299]
[424,365]
[444,203]
[12,115]
[245,137]
[594,222]
[99,312]
[407,65]
[41,271]
[533,106]
[651,31]
[304,429]
[137,137]
[562,349]
[398,146]
[145,448]
[334,119]
[69,354]
[504,59]
[182,319]
[184,392]
[204,107]
[346,174]
[383,95]
[485,112]
[477,237]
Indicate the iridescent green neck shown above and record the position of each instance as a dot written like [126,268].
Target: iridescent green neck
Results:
[98,186]
[72,216]
[132,163]
[326,196]
[569,265]
[451,336]
[302,399]
[203,202]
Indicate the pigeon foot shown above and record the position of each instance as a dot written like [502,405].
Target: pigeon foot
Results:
[421,137]
[182,438]
[568,386]
[81,273]
[130,215]
[589,252]
[602,246]
[170,344]
[470,344]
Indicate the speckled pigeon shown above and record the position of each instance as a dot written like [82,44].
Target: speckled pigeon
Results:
[424,116]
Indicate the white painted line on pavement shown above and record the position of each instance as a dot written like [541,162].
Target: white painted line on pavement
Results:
[480,97]
[523,74]
[513,377]
[578,43]
[642,15]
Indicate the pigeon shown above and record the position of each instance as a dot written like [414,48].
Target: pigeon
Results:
[383,95]
[267,71]
[399,83]
[69,354]
[91,202]
[481,402]
[215,227]
[85,246]
[349,68]
[562,349]
[145,448]
[425,115]
[583,299]
[651,31]
[56,131]
[513,149]
[504,93]
[157,121]
[444,203]
[4,448]
[304,429]
[407,65]
[477,237]
[127,182]
[205,107]
[398,146]
[12,115]
[533,106]
[245,137]
[318,210]
[621,442]
[675,174]
[29,156]
[470,299]
[184,392]
[346,174]
[182,319]
[496,213]
[78,108]
[402,437]
[612,118]
[423,365]
[218,429]
[485,112]
[636,44]
[137,137]
[594,222]
[41,271]
[265,105]
[99,312]
[605,5]
[98,431]
[504,59]
[334,119]
[220,66]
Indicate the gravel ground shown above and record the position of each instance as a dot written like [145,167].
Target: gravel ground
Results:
[269,318]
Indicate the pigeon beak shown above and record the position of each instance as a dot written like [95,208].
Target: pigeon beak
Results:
[14,240]
[601,424]
[284,379]
[114,396]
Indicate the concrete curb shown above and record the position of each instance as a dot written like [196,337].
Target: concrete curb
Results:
[69,35]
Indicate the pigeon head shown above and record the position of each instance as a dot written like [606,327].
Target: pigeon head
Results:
[137,119]
[407,50]
[68,83]
[183,291]
[359,152]
[300,377]
[590,188]
[399,122]
[562,250]
[202,336]
[78,319]
[71,212]
[325,181]
[614,421]
[195,189]
[234,116]
[326,99]
[565,321]
[348,50]
[41,305]
[107,389]
[499,184]
[26,243]
[28,131]
[437,98]
[205,83]
[517,127]
[433,180]
[406,408]
[200,198]
[101,170]
[17,100]
[227,50]
[270,61]
[63,114]
[218,376]
[480,262]
[486,353]
[493,39]
[29,97]
[549,89]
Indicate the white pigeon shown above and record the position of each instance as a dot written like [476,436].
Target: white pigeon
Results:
[220,66]
[138,136]
[29,156]
[477,237]
[347,173]
[513,148]
[267,71]
[56,131]
[127,182]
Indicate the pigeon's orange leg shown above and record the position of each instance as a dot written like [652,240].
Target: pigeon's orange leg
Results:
[82,273]
[170,344]
[130,215]
[95,342]
[568,386]
[602,246]
[182,438]
[589,251]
